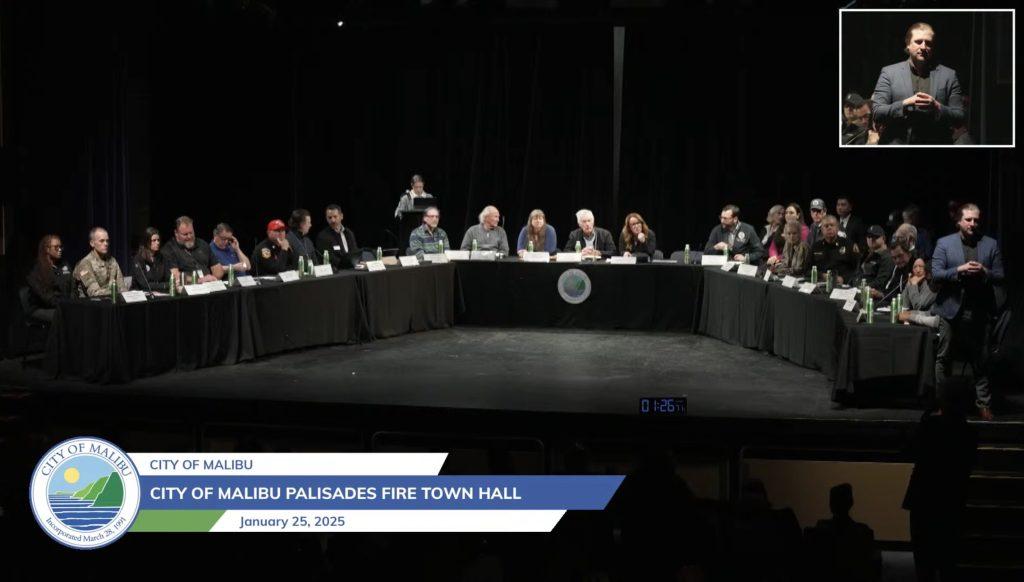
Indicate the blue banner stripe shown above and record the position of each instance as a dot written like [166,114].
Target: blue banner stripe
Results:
[362,492]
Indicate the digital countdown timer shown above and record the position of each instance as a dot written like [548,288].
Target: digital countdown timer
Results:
[663,406]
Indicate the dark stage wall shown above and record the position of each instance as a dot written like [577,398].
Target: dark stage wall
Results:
[130,113]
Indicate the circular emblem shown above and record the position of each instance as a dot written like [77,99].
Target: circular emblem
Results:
[742,235]
[265,253]
[85,493]
[574,286]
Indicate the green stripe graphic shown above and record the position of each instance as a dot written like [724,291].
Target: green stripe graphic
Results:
[176,520]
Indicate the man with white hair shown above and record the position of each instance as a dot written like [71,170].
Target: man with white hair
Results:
[487,234]
[594,241]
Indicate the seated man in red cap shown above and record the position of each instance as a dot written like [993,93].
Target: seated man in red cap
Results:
[274,254]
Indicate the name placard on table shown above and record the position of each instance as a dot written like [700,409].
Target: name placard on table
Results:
[457,255]
[409,261]
[747,270]
[215,286]
[807,288]
[568,257]
[322,271]
[199,289]
[537,257]
[789,281]
[375,266]
[247,281]
[844,294]
[133,296]
[712,260]
[728,265]
[622,260]
[289,276]
[483,256]
[435,258]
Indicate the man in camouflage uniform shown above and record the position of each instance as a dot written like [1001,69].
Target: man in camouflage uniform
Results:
[97,269]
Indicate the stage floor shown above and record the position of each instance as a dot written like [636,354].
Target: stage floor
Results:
[549,370]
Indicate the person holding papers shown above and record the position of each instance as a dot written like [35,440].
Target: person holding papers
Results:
[275,255]
[594,242]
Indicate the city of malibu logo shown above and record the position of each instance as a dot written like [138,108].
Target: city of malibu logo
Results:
[574,286]
[85,493]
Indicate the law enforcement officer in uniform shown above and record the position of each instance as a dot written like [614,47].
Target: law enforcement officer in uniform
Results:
[95,272]
[275,255]
[833,252]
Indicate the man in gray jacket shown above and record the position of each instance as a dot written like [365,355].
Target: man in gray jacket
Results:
[917,100]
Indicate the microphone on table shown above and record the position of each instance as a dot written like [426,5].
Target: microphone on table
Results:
[138,267]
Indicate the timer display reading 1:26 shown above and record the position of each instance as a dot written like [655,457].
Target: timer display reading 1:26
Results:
[663,406]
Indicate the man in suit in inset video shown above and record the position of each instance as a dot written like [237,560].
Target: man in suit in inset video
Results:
[917,100]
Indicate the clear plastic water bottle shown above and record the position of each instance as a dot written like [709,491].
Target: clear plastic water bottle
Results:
[725,253]
[579,247]
[327,258]
[476,246]
[380,253]
[870,310]
[440,245]
[686,255]
[173,287]
[231,275]
[302,265]
[814,274]
[828,281]
[195,278]
[529,246]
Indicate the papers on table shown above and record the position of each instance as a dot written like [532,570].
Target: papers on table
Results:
[409,261]
[375,266]
[849,305]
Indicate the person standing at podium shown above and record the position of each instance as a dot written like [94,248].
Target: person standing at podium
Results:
[407,201]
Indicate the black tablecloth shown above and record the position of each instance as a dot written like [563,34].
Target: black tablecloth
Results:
[804,329]
[735,308]
[409,299]
[883,350]
[507,293]
[102,342]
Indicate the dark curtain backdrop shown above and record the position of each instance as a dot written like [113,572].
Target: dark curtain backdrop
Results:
[977,45]
[126,114]
[519,117]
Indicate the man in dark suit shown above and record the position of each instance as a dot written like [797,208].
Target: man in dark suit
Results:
[594,242]
[338,241]
[967,265]
[917,100]
[850,226]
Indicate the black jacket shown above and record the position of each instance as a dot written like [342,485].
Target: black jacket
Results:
[856,232]
[330,241]
[270,259]
[876,269]
[646,248]
[603,242]
[155,276]
[837,257]
[746,242]
[45,289]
